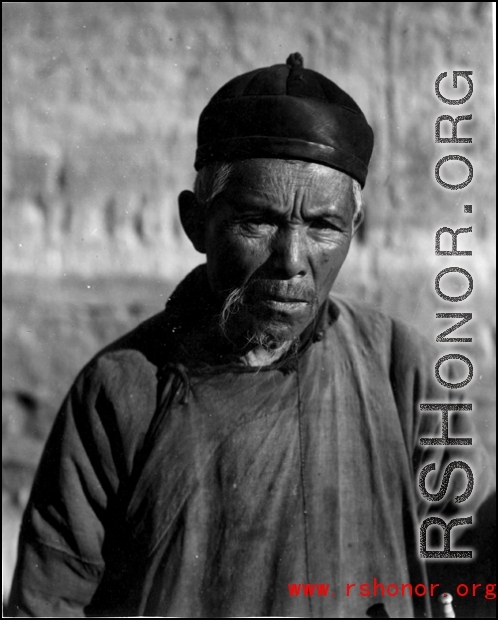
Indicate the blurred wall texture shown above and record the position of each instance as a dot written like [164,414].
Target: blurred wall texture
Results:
[100,107]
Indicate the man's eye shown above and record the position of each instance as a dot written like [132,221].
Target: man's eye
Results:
[255,223]
[324,225]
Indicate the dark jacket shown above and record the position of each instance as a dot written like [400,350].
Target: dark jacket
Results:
[194,489]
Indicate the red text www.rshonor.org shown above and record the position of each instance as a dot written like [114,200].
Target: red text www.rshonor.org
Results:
[379,589]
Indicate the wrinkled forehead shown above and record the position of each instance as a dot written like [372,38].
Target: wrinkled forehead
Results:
[285,177]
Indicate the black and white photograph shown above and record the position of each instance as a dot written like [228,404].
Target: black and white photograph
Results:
[249,306]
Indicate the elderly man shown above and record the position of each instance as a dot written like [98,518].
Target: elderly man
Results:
[257,433]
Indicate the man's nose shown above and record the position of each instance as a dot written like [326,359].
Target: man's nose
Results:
[289,254]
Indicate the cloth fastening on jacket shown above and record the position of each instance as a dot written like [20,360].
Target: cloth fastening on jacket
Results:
[176,482]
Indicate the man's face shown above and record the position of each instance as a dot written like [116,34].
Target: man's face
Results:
[279,233]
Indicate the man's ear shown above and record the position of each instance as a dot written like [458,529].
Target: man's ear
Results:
[358,221]
[193,219]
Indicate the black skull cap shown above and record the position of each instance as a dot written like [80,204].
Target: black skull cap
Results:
[285,112]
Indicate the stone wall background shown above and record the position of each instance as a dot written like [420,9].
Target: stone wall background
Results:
[100,103]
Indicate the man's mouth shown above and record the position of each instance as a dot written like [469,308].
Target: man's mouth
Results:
[283,299]
[285,307]
[278,296]
[281,303]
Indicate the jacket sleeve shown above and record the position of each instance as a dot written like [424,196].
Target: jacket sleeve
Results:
[73,499]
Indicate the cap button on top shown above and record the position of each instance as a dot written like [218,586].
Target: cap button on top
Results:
[295,60]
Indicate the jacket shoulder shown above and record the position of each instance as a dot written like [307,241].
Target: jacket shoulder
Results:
[147,343]
[138,353]
[379,332]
